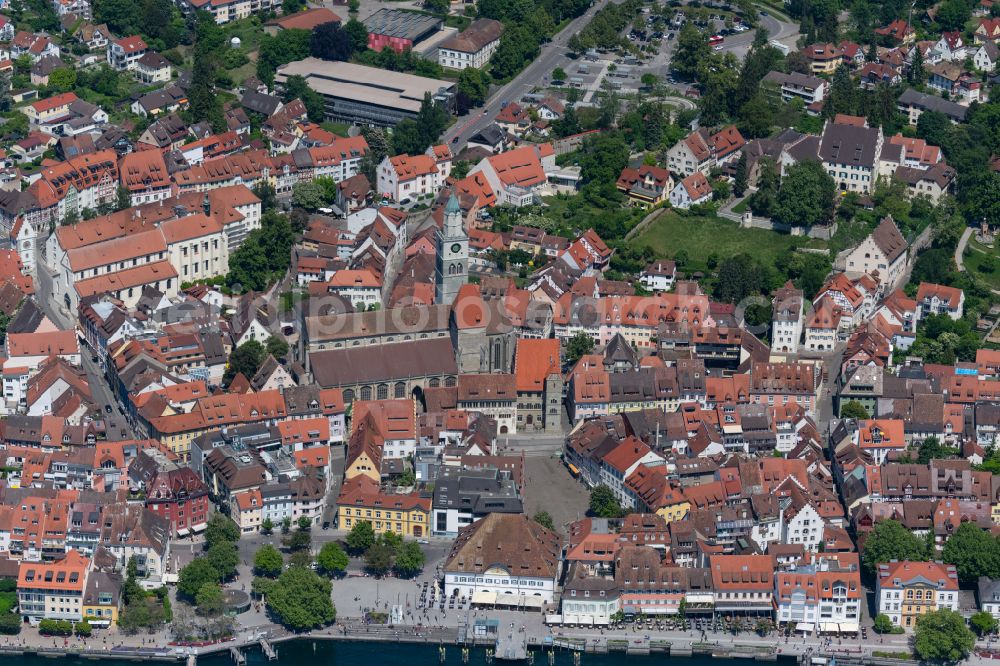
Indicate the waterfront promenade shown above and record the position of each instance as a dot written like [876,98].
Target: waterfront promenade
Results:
[146,646]
[354,595]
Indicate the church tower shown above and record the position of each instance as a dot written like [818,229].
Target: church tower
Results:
[452,268]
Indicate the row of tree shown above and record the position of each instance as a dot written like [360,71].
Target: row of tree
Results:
[385,552]
[973,550]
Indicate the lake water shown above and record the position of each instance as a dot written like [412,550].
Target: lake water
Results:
[306,652]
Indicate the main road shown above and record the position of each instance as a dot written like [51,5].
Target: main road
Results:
[553,54]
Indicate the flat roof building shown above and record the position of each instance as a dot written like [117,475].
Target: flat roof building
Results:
[356,93]
[399,29]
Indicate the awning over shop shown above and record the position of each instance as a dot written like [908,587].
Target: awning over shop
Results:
[804,626]
[532,602]
[849,627]
[200,527]
[484,597]
[182,532]
[829,627]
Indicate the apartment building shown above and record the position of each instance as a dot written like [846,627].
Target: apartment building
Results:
[906,590]
[53,590]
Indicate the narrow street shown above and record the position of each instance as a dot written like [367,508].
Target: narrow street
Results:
[99,387]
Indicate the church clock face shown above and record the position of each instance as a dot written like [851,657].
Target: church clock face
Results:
[456,248]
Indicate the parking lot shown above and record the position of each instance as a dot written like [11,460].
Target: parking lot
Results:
[548,486]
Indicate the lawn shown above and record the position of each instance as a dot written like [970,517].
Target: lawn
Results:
[700,237]
[982,262]
[340,129]
[741,207]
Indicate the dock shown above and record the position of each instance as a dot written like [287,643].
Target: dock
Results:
[238,657]
[512,646]
[192,660]
[268,650]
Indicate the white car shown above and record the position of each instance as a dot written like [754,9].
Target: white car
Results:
[718,47]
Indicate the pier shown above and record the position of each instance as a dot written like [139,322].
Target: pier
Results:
[268,650]
[192,660]
[512,646]
[238,657]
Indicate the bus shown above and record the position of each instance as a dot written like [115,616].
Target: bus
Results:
[715,40]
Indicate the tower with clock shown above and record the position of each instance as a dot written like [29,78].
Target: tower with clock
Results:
[452,268]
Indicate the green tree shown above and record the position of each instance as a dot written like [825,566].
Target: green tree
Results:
[932,449]
[974,552]
[603,503]
[806,196]
[131,590]
[378,558]
[246,359]
[983,623]
[740,178]
[331,42]
[378,143]
[843,96]
[431,119]
[82,629]
[518,46]
[304,523]
[10,624]
[889,540]
[739,278]
[300,558]
[602,158]
[409,560]
[756,118]
[209,600]
[277,347]
[332,560]
[407,138]
[301,601]
[942,635]
[358,33]
[360,538]
[474,84]
[203,102]
[692,51]
[298,540]
[268,197]
[544,519]
[559,74]
[63,79]
[287,46]
[883,625]
[393,540]
[195,574]
[267,561]
[225,557]
[853,409]
[764,201]
[221,529]
[569,124]
[578,346]
[916,74]
[953,15]
[296,87]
